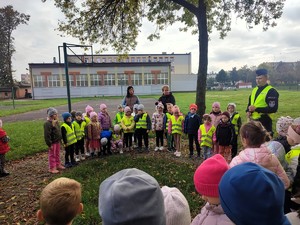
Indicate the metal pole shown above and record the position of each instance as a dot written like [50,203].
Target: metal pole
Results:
[13,96]
[67,75]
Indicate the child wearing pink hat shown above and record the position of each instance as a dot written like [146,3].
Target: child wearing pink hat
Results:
[206,179]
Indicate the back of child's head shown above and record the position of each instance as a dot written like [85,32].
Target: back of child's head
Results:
[60,201]
[293,134]
[208,175]
[131,197]
[92,114]
[283,124]
[177,208]
[251,194]
[206,117]
[73,112]
[89,109]
[254,133]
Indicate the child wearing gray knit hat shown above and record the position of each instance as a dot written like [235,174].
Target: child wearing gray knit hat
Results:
[131,197]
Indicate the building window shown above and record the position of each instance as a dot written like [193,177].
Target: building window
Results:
[171,59]
[53,81]
[166,59]
[161,59]
[104,60]
[138,59]
[98,60]
[132,59]
[144,59]
[96,80]
[122,79]
[81,80]
[39,81]
[154,59]
[149,79]
[136,79]
[109,79]
[127,60]
[114,59]
[109,60]
[162,78]
[71,80]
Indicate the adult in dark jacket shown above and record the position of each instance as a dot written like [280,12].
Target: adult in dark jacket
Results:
[167,97]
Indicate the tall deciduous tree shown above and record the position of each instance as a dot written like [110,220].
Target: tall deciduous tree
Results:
[10,19]
[117,22]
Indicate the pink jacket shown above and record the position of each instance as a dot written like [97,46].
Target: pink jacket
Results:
[212,215]
[264,157]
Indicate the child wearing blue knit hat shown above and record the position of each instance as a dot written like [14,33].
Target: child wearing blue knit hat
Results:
[251,194]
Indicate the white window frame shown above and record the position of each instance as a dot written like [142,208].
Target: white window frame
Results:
[53,80]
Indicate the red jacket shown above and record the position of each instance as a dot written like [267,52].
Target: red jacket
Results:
[4,147]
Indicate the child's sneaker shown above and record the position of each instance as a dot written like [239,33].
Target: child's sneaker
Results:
[53,171]
[77,159]
[87,154]
[121,151]
[82,157]
[161,148]
[178,154]
[156,149]
[68,165]
[175,153]
[61,167]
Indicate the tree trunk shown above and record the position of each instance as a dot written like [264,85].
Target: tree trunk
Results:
[203,58]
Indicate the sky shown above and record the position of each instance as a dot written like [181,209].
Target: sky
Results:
[38,41]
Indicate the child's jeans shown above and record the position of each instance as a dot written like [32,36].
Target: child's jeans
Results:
[54,155]
[207,152]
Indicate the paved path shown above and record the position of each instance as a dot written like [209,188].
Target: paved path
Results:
[80,106]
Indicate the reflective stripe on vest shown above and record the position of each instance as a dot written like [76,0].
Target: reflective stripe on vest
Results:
[79,129]
[295,152]
[71,138]
[168,115]
[128,122]
[177,124]
[142,123]
[260,101]
[234,122]
[206,138]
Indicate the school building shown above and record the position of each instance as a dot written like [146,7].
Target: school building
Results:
[109,75]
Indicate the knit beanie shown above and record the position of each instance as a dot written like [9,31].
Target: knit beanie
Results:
[117,127]
[209,174]
[231,104]
[103,106]
[135,106]
[283,124]
[249,192]
[89,109]
[140,107]
[92,114]
[225,113]
[78,113]
[66,115]
[193,106]
[51,111]
[120,106]
[176,207]
[127,109]
[131,197]
[216,104]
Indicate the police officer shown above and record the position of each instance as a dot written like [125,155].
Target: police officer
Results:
[263,101]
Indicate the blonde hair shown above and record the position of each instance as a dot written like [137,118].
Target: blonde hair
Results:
[165,86]
[60,200]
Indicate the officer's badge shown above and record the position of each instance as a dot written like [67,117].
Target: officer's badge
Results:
[271,104]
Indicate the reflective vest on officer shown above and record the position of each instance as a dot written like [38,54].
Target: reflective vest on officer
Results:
[176,124]
[79,129]
[142,123]
[168,116]
[128,122]
[206,138]
[234,122]
[295,152]
[71,138]
[260,101]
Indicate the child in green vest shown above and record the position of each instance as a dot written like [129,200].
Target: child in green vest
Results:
[79,127]
[128,124]
[69,139]
[207,136]
[236,121]
[119,115]
[142,127]
[175,127]
[169,137]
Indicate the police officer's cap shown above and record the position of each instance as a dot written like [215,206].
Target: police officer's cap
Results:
[261,72]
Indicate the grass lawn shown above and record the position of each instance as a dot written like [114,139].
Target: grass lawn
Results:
[27,139]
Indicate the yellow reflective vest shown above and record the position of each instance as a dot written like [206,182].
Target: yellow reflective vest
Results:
[71,138]
[168,116]
[260,101]
[295,152]
[142,123]
[128,121]
[234,122]
[79,129]
[177,124]
[206,138]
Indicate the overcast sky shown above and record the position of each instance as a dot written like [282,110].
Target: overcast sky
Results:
[37,42]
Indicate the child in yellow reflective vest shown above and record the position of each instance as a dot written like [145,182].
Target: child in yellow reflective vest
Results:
[176,126]
[207,136]
[236,121]
[117,139]
[79,127]
[142,127]
[128,124]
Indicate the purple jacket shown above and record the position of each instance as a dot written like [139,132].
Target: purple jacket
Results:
[104,120]
[212,215]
